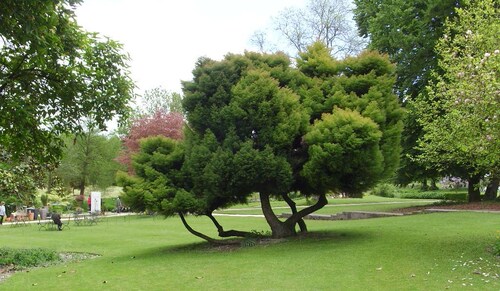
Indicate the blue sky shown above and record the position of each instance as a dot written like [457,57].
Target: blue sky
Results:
[165,38]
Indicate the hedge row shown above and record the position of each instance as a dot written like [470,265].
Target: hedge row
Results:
[389,190]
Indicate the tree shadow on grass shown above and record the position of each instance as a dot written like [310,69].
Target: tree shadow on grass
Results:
[310,238]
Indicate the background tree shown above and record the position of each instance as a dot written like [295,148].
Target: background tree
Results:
[459,112]
[157,99]
[257,124]
[408,32]
[153,185]
[89,159]
[159,123]
[52,73]
[19,179]
[326,21]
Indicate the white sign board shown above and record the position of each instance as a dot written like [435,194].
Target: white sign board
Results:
[95,198]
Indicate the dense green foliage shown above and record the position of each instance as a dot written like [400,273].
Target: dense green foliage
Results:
[157,167]
[408,32]
[391,191]
[89,159]
[53,74]
[24,258]
[384,190]
[436,194]
[259,125]
[448,78]
[459,112]
[19,180]
[329,168]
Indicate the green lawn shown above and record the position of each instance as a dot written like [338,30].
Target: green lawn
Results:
[335,205]
[419,252]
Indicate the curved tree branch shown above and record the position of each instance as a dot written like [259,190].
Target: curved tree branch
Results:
[15,72]
[203,236]
[228,233]
[293,207]
[267,210]
[322,201]
[279,229]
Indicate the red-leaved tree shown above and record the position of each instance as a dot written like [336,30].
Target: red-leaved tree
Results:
[160,123]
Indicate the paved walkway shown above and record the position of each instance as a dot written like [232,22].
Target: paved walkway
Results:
[357,212]
[344,204]
[66,217]
[112,214]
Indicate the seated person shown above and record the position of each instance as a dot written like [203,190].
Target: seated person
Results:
[56,218]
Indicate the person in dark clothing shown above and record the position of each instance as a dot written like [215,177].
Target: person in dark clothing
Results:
[56,218]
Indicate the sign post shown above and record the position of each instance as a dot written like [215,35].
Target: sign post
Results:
[95,202]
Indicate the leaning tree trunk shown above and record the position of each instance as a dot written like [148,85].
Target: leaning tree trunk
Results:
[473,188]
[492,188]
[279,229]
[322,201]
[203,236]
[293,207]
[227,233]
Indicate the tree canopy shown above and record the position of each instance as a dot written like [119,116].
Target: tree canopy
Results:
[408,32]
[89,160]
[459,112]
[53,74]
[159,99]
[257,124]
[159,123]
[19,179]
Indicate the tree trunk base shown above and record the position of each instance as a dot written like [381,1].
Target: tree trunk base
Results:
[473,188]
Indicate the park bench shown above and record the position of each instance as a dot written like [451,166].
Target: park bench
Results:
[19,218]
[85,219]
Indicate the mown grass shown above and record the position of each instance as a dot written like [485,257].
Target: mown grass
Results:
[335,205]
[24,258]
[419,252]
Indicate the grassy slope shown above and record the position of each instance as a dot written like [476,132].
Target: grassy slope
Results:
[421,252]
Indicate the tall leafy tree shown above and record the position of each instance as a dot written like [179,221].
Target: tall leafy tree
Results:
[408,32]
[459,112]
[259,124]
[19,179]
[156,103]
[159,123]
[89,160]
[52,74]
[157,99]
